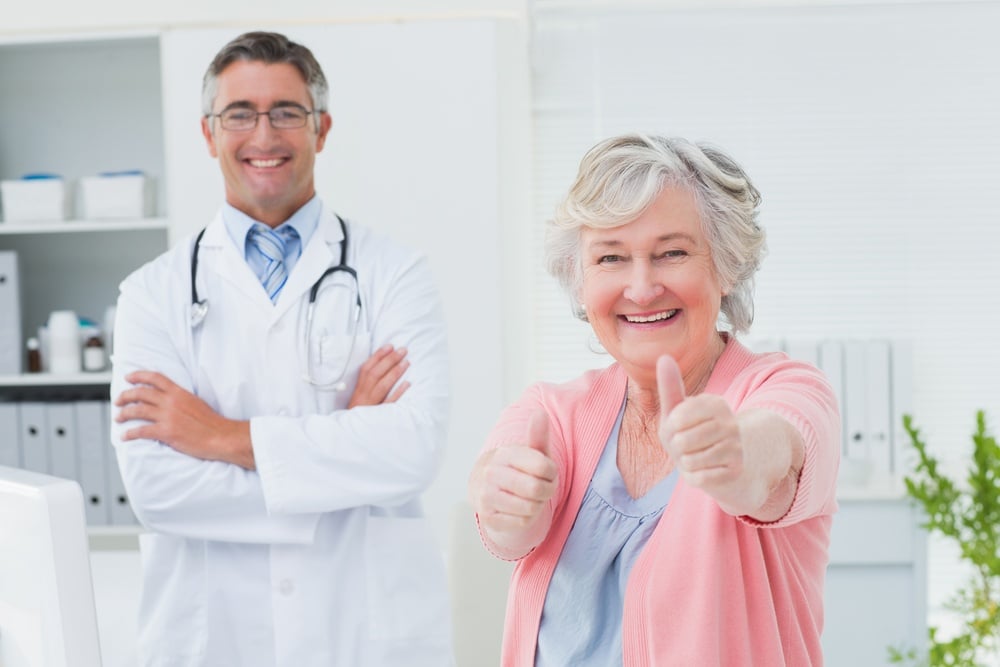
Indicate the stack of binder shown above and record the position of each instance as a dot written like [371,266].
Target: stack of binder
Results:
[10,314]
[69,439]
[873,381]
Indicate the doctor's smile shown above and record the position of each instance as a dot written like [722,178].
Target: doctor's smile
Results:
[266,164]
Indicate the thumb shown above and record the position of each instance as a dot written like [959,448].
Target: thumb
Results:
[538,432]
[669,384]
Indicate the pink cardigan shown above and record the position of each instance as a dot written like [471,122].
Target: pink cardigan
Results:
[709,589]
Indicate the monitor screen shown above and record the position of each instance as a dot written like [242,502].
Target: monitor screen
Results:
[47,616]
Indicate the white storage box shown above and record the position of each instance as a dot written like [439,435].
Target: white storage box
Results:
[116,196]
[34,199]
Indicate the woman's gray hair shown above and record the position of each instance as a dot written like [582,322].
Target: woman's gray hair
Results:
[620,177]
[270,48]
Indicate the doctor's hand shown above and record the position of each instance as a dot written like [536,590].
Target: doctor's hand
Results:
[378,375]
[510,487]
[178,418]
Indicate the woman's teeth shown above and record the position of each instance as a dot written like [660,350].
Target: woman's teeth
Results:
[665,315]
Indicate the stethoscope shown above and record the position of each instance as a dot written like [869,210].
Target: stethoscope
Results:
[199,309]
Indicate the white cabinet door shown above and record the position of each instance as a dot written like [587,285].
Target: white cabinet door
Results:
[876,591]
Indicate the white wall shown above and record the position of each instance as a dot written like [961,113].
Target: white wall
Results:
[69,15]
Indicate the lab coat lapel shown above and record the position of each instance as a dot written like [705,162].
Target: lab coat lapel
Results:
[322,252]
[219,255]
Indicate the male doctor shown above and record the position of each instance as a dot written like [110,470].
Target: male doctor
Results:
[277,463]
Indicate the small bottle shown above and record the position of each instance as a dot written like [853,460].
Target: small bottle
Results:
[93,354]
[34,356]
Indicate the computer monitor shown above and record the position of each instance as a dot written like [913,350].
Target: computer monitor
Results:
[47,614]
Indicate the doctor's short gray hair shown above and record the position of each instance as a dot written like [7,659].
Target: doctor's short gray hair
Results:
[620,177]
[270,48]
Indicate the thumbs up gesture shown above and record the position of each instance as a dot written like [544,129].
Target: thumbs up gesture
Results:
[510,487]
[701,435]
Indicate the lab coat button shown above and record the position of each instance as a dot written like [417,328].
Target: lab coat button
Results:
[282,412]
[286,587]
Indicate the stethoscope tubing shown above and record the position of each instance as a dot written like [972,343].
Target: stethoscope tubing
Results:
[199,307]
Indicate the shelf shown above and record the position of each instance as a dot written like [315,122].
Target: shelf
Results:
[82,226]
[54,380]
[44,39]
[876,488]
[114,538]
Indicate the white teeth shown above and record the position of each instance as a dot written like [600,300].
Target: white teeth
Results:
[667,314]
[266,163]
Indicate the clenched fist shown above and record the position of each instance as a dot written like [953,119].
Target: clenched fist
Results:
[748,462]
[701,434]
[510,486]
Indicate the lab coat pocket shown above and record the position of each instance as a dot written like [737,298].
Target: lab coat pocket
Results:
[406,581]
[334,365]
[172,605]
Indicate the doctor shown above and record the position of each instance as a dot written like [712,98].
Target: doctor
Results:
[276,462]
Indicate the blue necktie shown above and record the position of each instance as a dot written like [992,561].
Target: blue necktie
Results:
[272,246]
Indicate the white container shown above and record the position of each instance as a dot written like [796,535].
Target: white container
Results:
[93,358]
[64,342]
[34,200]
[115,197]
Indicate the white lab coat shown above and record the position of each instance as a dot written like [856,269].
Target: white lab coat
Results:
[322,556]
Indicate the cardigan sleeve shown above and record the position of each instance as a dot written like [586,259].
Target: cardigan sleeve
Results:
[801,395]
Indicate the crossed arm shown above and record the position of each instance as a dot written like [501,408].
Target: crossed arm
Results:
[178,418]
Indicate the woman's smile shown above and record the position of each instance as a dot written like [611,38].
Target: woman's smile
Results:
[653,318]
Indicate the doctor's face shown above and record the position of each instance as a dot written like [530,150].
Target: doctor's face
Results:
[268,172]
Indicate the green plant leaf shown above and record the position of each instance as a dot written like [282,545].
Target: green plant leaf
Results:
[969,517]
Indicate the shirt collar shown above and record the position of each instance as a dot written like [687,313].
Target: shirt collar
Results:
[304,221]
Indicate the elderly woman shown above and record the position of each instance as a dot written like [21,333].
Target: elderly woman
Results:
[675,507]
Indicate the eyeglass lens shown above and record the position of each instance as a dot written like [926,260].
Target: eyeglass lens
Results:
[286,117]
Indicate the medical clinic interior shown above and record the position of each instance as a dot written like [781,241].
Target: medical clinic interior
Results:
[871,130]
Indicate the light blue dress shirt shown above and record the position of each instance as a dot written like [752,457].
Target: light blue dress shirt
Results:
[304,221]
[582,616]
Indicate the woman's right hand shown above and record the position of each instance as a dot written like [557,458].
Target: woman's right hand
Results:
[510,487]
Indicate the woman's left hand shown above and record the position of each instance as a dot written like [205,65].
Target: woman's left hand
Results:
[701,434]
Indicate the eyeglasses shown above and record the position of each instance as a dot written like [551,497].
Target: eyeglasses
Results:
[284,117]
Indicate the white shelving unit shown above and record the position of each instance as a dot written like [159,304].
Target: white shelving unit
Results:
[78,106]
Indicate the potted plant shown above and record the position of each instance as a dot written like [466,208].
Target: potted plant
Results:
[968,515]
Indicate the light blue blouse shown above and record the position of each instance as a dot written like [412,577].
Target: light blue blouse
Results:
[582,616]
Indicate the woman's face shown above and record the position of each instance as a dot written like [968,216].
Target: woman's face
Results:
[650,287]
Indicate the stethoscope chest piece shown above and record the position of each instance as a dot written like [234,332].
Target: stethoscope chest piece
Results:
[199,309]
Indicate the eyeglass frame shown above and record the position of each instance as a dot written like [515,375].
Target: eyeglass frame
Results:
[270,118]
